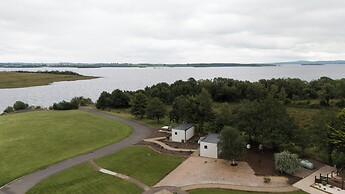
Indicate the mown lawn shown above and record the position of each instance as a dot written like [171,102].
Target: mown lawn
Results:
[224,191]
[142,163]
[125,113]
[29,141]
[83,179]
[19,80]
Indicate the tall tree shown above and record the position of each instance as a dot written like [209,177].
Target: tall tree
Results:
[232,144]
[199,108]
[155,109]
[119,99]
[276,125]
[103,100]
[138,103]
[337,132]
[178,111]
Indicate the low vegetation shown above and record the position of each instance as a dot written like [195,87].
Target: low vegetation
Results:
[33,140]
[75,103]
[142,163]
[285,162]
[84,179]
[26,79]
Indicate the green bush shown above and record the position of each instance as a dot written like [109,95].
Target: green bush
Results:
[286,162]
[9,109]
[267,180]
[19,105]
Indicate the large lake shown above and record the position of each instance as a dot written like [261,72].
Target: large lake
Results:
[138,78]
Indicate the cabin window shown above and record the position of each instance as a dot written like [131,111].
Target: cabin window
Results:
[175,133]
[205,147]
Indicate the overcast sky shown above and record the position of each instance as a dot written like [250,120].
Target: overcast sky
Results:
[171,31]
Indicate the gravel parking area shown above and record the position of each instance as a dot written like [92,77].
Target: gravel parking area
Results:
[200,170]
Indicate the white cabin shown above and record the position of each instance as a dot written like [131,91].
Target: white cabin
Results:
[209,146]
[182,133]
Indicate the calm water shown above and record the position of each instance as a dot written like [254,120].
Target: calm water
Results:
[138,78]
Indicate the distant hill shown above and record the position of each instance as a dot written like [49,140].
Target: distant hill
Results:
[311,62]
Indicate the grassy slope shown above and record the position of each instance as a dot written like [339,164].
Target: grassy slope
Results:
[29,141]
[223,191]
[18,80]
[142,163]
[125,113]
[84,179]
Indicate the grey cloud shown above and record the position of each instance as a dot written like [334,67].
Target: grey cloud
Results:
[171,31]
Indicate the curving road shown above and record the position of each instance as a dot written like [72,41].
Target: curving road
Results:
[24,183]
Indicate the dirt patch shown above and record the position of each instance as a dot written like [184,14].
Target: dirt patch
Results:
[187,145]
[156,133]
[162,150]
[261,162]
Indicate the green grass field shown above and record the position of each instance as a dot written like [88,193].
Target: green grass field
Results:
[19,80]
[125,113]
[142,163]
[29,141]
[83,179]
[224,191]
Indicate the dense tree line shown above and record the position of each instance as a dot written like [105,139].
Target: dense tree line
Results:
[260,113]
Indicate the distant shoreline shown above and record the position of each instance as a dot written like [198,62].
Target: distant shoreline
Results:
[126,65]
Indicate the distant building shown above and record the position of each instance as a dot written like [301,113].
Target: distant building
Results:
[209,146]
[182,133]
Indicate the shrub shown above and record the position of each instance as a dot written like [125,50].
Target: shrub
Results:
[324,182]
[341,103]
[9,109]
[19,105]
[267,180]
[286,162]
[63,105]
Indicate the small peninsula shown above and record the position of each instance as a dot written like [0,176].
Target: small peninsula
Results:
[22,79]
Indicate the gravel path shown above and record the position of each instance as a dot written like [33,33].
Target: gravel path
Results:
[24,183]
[200,172]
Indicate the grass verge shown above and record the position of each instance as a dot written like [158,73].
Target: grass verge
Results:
[142,163]
[84,179]
[29,141]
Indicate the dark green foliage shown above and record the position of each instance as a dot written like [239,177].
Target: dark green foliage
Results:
[199,109]
[155,109]
[119,99]
[266,122]
[286,162]
[337,132]
[81,101]
[9,109]
[19,105]
[103,100]
[64,105]
[138,104]
[161,91]
[178,112]
[341,103]
[73,104]
[232,144]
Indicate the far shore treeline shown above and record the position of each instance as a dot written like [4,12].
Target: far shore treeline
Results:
[291,114]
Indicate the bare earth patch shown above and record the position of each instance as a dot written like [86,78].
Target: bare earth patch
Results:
[200,170]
